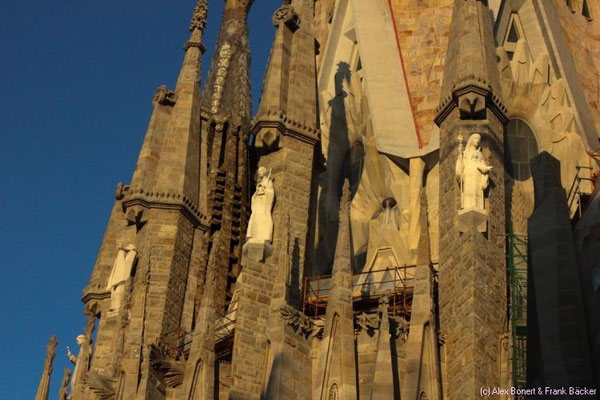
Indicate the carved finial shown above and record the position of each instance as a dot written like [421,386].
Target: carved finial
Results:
[51,348]
[43,388]
[199,17]
[286,15]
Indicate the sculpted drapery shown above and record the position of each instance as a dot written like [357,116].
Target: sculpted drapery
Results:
[260,226]
[472,173]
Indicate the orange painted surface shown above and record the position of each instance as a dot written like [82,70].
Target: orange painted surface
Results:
[583,40]
[423,27]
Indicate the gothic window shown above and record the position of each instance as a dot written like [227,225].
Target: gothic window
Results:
[520,146]
[570,5]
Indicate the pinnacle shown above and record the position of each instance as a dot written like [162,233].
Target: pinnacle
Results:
[199,17]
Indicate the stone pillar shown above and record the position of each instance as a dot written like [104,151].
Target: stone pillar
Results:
[472,278]
[199,380]
[336,374]
[422,358]
[251,347]
[44,386]
[472,283]
[286,136]
[558,353]
[382,384]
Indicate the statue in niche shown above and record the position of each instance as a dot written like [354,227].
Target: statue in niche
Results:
[119,275]
[260,226]
[76,361]
[472,173]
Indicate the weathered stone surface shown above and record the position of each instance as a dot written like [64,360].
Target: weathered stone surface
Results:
[203,313]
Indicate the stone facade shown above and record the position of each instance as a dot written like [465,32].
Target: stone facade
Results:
[375,281]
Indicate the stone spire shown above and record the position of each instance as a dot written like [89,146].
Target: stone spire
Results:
[202,353]
[472,279]
[337,368]
[471,79]
[342,268]
[163,220]
[224,167]
[171,166]
[227,89]
[382,385]
[290,81]
[199,18]
[43,388]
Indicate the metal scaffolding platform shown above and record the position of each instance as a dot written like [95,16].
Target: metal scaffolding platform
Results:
[517,271]
[367,288]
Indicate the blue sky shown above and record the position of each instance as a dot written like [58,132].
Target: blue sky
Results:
[78,79]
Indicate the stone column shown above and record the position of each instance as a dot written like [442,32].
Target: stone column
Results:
[43,388]
[472,278]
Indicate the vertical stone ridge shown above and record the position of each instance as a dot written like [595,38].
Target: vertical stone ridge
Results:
[227,89]
[225,168]
[285,139]
[337,367]
[472,278]
[200,367]
[43,388]
[382,385]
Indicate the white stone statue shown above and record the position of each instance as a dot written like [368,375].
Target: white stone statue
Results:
[120,274]
[472,173]
[260,227]
[76,361]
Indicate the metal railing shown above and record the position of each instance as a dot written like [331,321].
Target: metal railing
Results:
[367,288]
[576,192]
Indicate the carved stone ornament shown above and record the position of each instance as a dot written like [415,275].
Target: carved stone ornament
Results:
[300,322]
[199,17]
[267,141]
[472,173]
[222,70]
[401,327]
[103,386]
[165,96]
[286,14]
[166,364]
[367,323]
[135,216]
[120,191]
[472,106]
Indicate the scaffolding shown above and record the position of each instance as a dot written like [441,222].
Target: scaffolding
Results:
[517,270]
[367,288]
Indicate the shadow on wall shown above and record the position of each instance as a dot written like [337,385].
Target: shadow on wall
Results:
[329,181]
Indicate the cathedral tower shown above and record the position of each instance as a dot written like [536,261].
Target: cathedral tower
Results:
[350,240]
[142,287]
[472,286]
